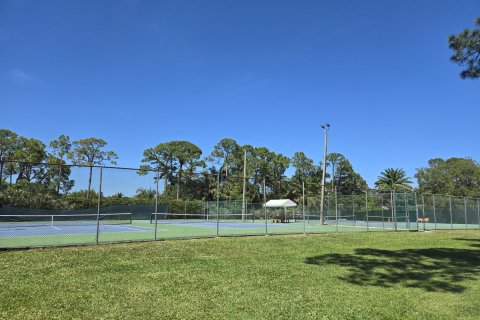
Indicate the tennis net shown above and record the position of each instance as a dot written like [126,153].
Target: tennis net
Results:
[346,219]
[19,220]
[200,217]
[372,218]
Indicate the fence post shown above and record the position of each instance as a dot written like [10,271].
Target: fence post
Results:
[156,204]
[336,207]
[407,212]
[423,206]
[423,211]
[353,206]
[329,212]
[478,212]
[265,206]
[416,209]
[366,205]
[98,205]
[303,207]
[465,208]
[451,217]
[394,219]
[383,215]
[434,211]
[218,202]
[244,192]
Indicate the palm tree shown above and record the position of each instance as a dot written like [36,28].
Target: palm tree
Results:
[145,194]
[393,179]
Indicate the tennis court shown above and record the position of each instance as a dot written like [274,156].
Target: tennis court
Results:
[21,230]
[32,230]
[51,230]
[45,230]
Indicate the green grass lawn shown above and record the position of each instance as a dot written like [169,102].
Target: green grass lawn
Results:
[378,275]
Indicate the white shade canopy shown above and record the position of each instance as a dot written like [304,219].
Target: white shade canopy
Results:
[280,203]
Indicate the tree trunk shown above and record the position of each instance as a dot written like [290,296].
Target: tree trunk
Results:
[21,170]
[178,186]
[1,172]
[59,179]
[165,179]
[89,182]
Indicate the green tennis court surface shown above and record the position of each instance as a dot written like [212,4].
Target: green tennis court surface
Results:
[57,230]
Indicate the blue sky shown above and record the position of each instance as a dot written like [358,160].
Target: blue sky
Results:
[266,73]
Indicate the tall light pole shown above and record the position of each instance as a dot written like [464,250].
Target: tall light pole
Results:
[244,203]
[325,128]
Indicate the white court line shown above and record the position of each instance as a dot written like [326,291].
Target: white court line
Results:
[133,228]
[56,228]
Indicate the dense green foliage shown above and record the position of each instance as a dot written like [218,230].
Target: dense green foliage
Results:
[393,179]
[187,176]
[90,152]
[454,176]
[348,276]
[467,51]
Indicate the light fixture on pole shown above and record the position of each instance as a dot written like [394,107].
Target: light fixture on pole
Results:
[325,128]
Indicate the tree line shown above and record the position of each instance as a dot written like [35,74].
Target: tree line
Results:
[186,174]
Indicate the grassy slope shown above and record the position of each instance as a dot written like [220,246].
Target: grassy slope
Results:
[349,276]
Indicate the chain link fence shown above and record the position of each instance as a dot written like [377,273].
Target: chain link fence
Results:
[56,205]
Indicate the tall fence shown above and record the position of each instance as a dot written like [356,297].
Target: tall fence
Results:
[55,205]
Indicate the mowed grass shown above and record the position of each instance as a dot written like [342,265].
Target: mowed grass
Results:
[432,275]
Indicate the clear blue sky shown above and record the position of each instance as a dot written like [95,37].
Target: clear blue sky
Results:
[266,73]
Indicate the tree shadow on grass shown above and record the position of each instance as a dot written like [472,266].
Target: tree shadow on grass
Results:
[475,245]
[430,269]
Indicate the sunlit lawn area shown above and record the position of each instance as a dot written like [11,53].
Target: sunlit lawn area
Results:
[384,275]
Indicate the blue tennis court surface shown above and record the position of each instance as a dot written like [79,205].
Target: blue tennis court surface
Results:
[19,230]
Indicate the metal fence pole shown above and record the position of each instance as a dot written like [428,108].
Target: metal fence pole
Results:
[423,211]
[336,207]
[244,192]
[451,217]
[98,205]
[366,205]
[465,208]
[328,204]
[383,215]
[265,207]
[353,206]
[423,206]
[416,208]
[392,201]
[434,211]
[395,216]
[478,212]
[303,207]
[218,203]
[156,204]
